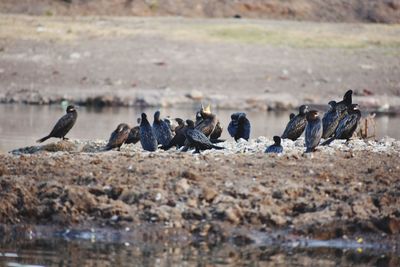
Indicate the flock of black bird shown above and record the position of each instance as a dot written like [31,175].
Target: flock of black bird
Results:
[339,122]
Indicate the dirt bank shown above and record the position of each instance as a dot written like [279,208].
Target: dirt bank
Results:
[250,64]
[386,11]
[338,191]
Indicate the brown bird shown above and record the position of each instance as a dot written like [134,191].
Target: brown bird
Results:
[208,122]
[134,135]
[118,137]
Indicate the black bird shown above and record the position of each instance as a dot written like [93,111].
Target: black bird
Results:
[63,125]
[343,105]
[296,125]
[276,147]
[313,131]
[197,139]
[337,111]
[161,130]
[147,136]
[118,137]
[181,124]
[239,127]
[134,135]
[330,120]
[347,126]
[180,135]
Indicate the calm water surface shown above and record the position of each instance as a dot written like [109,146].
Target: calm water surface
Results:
[22,125]
[85,250]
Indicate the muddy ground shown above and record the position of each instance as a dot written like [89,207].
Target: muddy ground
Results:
[251,64]
[337,192]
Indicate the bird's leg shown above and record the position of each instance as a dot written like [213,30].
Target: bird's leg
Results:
[119,148]
[65,138]
[197,151]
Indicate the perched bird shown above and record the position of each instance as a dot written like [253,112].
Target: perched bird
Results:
[330,120]
[134,135]
[348,125]
[208,121]
[313,131]
[239,127]
[180,135]
[197,139]
[118,137]
[343,105]
[337,111]
[161,130]
[276,147]
[180,125]
[296,125]
[147,136]
[216,133]
[172,124]
[63,125]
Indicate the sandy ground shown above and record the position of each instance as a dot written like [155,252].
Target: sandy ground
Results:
[339,191]
[251,64]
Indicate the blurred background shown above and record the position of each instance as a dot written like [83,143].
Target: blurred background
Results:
[117,58]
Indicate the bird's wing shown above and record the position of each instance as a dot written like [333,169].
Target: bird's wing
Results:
[232,128]
[199,137]
[63,122]
[346,123]
[295,125]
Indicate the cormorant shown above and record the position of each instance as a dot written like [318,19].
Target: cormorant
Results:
[296,125]
[276,147]
[63,125]
[239,127]
[147,136]
[343,105]
[197,139]
[180,135]
[347,125]
[181,124]
[134,135]
[208,122]
[118,137]
[337,111]
[313,131]
[161,130]
[330,120]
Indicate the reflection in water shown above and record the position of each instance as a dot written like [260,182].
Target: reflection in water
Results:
[22,125]
[61,252]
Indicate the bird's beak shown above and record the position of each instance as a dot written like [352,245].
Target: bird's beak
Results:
[208,109]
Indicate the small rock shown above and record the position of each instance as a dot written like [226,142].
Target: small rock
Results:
[209,194]
[182,186]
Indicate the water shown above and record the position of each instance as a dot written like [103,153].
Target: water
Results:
[88,248]
[22,125]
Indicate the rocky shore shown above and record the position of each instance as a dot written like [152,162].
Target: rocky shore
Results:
[339,191]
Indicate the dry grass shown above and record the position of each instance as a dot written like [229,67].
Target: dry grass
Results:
[275,33]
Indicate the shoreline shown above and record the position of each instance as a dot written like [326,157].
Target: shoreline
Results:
[319,196]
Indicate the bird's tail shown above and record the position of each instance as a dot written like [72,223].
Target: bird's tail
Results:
[41,140]
[216,141]
[327,142]
[217,147]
